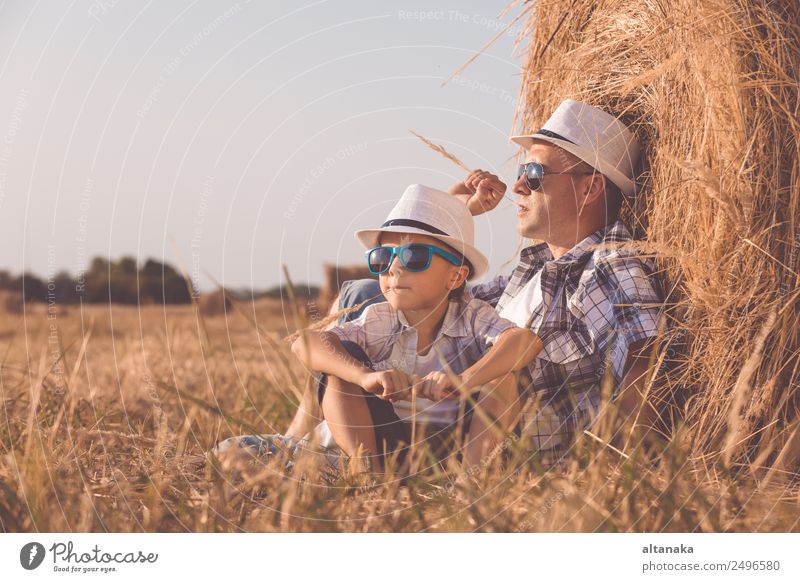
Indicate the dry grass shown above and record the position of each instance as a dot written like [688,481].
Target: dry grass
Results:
[112,436]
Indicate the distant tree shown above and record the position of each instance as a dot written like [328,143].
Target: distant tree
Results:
[107,281]
[162,283]
[125,266]
[31,287]
[176,290]
[153,268]
[98,266]
[65,288]
[95,287]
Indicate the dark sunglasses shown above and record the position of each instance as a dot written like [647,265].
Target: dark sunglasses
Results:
[414,257]
[534,174]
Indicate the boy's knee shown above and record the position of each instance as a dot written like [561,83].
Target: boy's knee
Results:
[357,352]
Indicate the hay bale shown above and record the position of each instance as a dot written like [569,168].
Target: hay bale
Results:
[214,303]
[711,88]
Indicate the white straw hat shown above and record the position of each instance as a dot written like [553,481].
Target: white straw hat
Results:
[597,138]
[424,210]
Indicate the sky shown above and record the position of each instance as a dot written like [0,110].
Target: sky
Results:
[233,138]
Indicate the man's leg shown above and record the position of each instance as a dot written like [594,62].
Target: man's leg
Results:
[500,402]
[367,291]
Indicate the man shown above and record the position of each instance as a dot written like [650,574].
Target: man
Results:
[596,310]
[590,307]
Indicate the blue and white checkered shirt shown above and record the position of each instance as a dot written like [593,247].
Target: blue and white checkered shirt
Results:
[469,328]
[596,303]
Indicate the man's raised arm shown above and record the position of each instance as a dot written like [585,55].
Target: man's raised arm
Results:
[480,191]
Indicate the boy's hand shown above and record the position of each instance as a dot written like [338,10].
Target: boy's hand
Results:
[436,386]
[480,191]
[387,385]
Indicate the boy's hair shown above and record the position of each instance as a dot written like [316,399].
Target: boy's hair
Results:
[458,293]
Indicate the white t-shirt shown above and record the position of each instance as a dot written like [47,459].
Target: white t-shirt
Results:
[519,308]
[442,412]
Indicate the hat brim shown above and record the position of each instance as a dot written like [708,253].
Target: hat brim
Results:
[480,264]
[625,184]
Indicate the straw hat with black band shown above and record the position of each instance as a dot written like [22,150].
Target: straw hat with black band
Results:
[596,137]
[424,210]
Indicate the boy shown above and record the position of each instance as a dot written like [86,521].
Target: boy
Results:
[424,254]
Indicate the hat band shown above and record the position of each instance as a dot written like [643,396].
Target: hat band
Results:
[413,224]
[554,135]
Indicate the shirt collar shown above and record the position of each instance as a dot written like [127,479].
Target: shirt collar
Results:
[453,324]
[540,252]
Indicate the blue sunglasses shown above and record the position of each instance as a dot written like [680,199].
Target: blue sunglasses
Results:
[414,257]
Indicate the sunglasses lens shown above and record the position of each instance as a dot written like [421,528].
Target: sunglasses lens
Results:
[533,176]
[534,183]
[415,257]
[379,259]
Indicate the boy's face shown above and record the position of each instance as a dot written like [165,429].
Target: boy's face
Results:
[426,289]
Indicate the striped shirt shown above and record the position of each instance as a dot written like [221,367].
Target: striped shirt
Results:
[469,328]
[592,305]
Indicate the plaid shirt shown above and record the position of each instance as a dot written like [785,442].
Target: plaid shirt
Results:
[595,303]
[469,328]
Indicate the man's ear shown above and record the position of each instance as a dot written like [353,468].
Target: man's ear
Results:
[596,190]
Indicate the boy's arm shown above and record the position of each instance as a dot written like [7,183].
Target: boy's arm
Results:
[515,348]
[324,352]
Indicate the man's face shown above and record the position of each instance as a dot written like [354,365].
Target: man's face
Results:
[552,210]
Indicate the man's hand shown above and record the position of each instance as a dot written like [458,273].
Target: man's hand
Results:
[435,386]
[388,385]
[480,191]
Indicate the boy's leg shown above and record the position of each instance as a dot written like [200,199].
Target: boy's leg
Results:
[308,415]
[356,417]
[352,293]
[500,400]
[347,413]
[366,291]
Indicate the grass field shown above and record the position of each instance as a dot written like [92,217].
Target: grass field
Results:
[108,413]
